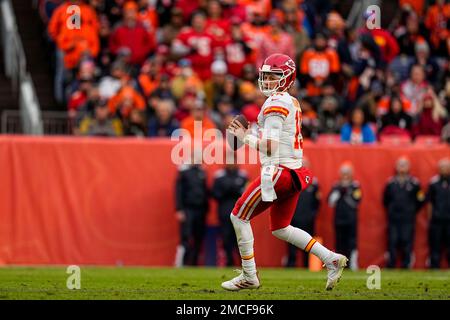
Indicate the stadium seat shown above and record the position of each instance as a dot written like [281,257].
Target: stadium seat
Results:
[328,139]
[395,140]
[427,140]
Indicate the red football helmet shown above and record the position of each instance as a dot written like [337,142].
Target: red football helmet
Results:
[277,74]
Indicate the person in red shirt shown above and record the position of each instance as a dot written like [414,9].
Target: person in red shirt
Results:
[197,45]
[131,38]
[432,116]
[216,25]
[237,50]
[276,40]
[386,42]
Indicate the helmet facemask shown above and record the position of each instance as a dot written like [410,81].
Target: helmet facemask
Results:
[271,81]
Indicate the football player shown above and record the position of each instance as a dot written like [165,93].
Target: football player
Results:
[283,177]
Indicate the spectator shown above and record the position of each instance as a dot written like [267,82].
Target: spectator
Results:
[357,131]
[149,77]
[432,116]
[58,20]
[412,34]
[102,124]
[396,121]
[310,121]
[130,38]
[386,42]
[229,184]
[196,45]
[66,42]
[163,91]
[163,124]
[81,87]
[237,50]
[402,198]
[125,101]
[223,108]
[216,24]
[134,125]
[422,58]
[251,110]
[109,85]
[170,31]
[437,21]
[77,44]
[247,93]
[415,88]
[275,40]
[197,115]
[191,208]
[185,79]
[317,64]
[214,87]
[293,22]
[304,217]
[148,16]
[345,197]
[439,229]
[330,121]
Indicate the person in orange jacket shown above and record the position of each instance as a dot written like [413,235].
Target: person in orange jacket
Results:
[125,101]
[198,113]
[61,15]
[76,44]
[58,28]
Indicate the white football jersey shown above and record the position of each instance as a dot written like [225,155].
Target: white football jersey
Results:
[290,147]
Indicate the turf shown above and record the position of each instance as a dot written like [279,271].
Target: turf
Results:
[204,283]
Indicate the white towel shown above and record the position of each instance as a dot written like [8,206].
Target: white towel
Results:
[267,186]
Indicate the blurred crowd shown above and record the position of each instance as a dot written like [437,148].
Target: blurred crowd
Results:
[148,67]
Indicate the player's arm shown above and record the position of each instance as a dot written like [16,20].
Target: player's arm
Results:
[268,144]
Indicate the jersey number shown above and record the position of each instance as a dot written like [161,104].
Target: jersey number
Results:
[298,139]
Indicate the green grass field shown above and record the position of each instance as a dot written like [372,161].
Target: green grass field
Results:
[204,283]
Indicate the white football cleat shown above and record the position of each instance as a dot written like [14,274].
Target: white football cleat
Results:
[242,282]
[335,268]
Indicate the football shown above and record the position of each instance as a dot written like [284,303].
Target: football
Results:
[234,142]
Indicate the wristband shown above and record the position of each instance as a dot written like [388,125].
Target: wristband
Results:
[251,140]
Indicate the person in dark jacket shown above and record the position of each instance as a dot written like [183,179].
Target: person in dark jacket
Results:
[191,209]
[438,196]
[396,119]
[305,217]
[163,123]
[345,197]
[402,199]
[229,184]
